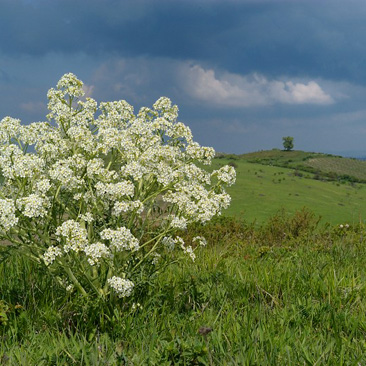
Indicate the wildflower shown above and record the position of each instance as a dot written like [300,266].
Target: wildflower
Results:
[50,254]
[178,222]
[74,235]
[168,242]
[201,240]
[156,258]
[7,214]
[121,239]
[33,206]
[95,252]
[121,286]
[189,250]
[98,180]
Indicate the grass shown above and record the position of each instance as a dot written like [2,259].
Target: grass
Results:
[274,286]
[297,301]
[261,190]
[341,167]
[322,166]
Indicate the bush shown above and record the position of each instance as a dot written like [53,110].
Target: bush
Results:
[98,201]
[282,228]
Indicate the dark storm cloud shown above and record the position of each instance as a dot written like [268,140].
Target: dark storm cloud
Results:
[300,38]
[243,72]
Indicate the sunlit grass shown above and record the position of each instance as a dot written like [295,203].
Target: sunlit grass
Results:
[295,301]
[261,190]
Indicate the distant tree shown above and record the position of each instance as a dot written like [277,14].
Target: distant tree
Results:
[288,143]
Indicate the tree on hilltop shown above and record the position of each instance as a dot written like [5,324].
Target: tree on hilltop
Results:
[288,143]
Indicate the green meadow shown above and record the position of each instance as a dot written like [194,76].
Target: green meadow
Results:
[261,190]
[274,286]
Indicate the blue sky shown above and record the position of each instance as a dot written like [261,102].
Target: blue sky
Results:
[243,73]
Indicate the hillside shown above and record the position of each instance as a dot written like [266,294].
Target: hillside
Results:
[261,190]
[318,165]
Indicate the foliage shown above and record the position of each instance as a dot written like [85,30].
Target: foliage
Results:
[98,200]
[261,190]
[288,143]
[294,302]
[320,166]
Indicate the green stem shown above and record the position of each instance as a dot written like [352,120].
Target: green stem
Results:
[158,239]
[75,281]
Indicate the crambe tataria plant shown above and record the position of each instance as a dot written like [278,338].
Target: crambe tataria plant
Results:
[97,192]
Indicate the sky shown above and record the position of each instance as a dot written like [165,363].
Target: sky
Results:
[244,73]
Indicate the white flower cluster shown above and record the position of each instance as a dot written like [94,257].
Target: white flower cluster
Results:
[94,173]
[121,286]
[126,206]
[74,235]
[114,191]
[170,243]
[42,186]
[201,240]
[196,202]
[121,239]
[226,174]
[134,169]
[33,206]
[50,254]
[97,251]
[189,250]
[14,164]
[178,222]
[186,249]
[7,214]
[88,217]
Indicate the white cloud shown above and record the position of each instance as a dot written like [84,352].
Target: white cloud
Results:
[33,107]
[253,90]
[141,81]
[88,90]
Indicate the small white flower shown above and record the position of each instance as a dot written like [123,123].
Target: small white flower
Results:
[189,250]
[70,288]
[121,286]
[88,217]
[156,258]
[178,222]
[121,239]
[7,214]
[201,240]
[97,251]
[136,306]
[168,242]
[50,254]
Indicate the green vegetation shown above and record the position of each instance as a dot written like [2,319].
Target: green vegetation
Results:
[340,168]
[261,190]
[321,166]
[281,282]
[288,143]
[287,293]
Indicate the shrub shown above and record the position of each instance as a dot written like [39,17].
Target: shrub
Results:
[99,197]
[282,228]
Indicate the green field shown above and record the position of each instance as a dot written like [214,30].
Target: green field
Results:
[261,190]
[272,286]
[321,166]
[339,166]
[298,302]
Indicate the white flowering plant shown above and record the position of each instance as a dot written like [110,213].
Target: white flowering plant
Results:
[96,192]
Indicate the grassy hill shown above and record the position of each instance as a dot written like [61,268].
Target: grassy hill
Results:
[261,190]
[318,165]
